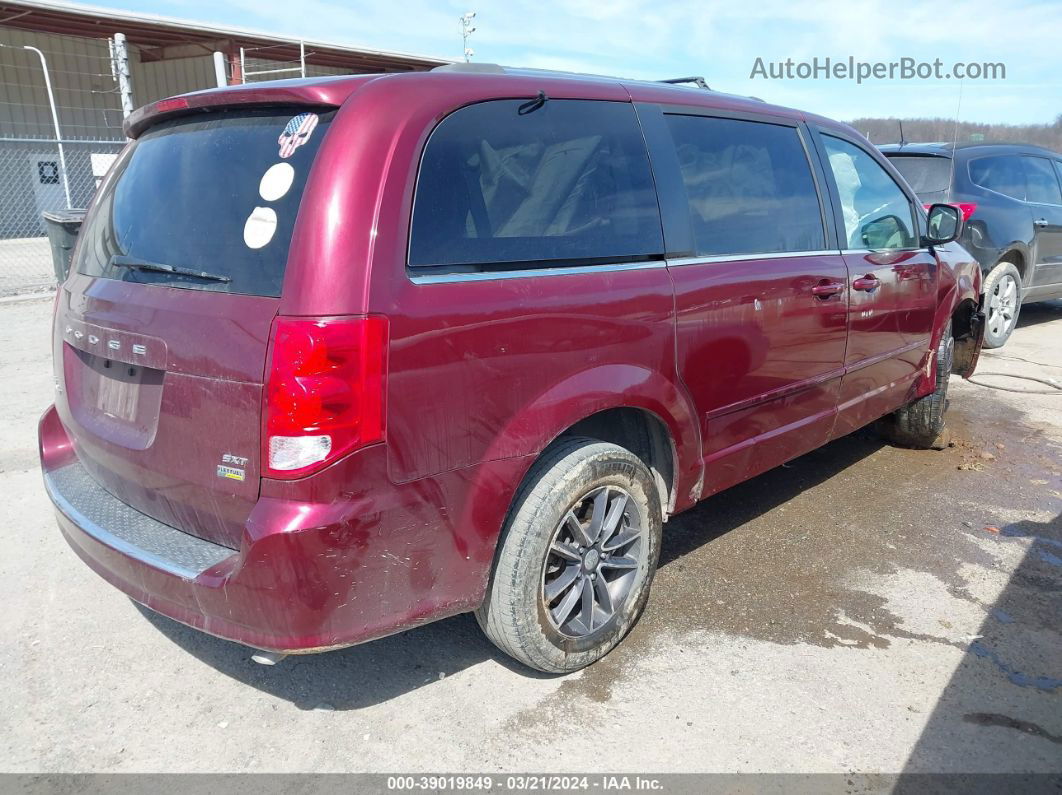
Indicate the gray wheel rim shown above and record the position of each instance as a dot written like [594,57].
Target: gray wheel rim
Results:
[595,559]
[1003,306]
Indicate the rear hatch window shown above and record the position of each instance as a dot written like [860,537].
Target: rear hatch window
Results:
[206,202]
[927,175]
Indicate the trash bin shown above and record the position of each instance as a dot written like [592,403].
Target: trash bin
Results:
[62,226]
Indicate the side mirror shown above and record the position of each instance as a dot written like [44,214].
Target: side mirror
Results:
[945,225]
[888,231]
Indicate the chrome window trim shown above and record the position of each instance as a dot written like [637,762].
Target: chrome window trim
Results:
[710,258]
[885,250]
[1004,195]
[527,273]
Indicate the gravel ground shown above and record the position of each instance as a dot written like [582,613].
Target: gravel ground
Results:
[864,608]
[25,266]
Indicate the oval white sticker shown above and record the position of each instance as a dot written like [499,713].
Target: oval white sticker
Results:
[276,182]
[260,226]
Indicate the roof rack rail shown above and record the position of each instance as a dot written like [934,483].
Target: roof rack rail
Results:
[697,81]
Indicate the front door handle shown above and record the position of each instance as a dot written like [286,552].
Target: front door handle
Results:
[1040,222]
[867,283]
[825,289]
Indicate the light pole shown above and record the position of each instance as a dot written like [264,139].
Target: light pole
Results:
[55,117]
[466,31]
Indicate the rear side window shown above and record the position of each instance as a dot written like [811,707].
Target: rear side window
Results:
[1041,182]
[749,186]
[214,194]
[924,173]
[510,183]
[1001,173]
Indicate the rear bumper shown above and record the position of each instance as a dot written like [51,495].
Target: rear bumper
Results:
[308,576]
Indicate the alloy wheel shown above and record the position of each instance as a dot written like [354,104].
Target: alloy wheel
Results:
[594,561]
[1003,306]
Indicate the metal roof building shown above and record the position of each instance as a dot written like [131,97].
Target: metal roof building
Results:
[40,168]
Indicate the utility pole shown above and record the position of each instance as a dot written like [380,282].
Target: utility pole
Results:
[120,67]
[466,31]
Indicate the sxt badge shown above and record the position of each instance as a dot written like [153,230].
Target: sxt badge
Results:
[232,467]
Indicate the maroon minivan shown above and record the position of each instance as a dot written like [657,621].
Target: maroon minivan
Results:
[342,356]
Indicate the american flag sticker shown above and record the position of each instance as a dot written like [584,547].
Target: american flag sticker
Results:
[296,133]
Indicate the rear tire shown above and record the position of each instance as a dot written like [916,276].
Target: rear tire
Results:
[920,424]
[1002,303]
[576,557]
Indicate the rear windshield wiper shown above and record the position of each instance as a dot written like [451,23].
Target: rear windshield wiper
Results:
[121,261]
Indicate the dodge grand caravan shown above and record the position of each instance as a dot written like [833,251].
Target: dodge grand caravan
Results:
[338,357]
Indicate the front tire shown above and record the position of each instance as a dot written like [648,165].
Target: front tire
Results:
[1002,303]
[576,558]
[921,424]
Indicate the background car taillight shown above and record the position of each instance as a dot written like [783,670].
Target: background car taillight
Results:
[324,393]
[966,208]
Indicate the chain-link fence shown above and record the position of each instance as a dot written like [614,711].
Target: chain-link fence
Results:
[33,181]
[40,171]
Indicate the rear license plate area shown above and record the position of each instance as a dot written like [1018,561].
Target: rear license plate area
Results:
[119,389]
[116,400]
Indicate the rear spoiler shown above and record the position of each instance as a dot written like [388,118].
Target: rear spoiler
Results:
[320,95]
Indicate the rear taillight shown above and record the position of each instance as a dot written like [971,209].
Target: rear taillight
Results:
[966,208]
[324,394]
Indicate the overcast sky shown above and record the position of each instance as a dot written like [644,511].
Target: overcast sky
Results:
[719,40]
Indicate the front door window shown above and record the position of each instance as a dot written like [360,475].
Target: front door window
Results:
[877,214]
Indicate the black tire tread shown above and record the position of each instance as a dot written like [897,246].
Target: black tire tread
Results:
[920,423]
[498,624]
[502,616]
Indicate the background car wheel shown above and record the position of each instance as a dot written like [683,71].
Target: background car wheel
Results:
[920,424]
[1002,303]
[576,557]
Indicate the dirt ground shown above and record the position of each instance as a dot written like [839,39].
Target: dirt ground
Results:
[864,608]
